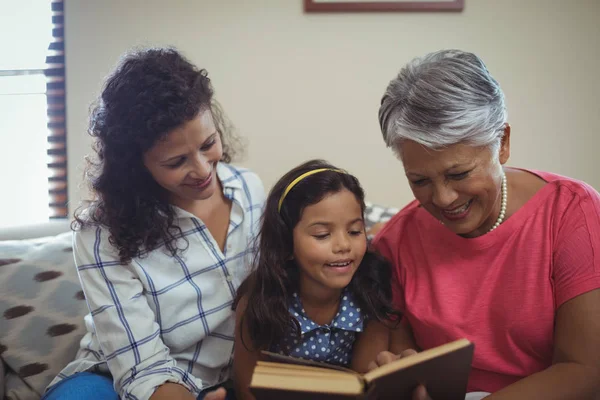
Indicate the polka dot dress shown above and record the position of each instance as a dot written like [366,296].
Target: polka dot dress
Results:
[331,343]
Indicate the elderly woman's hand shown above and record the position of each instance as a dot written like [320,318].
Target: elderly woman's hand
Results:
[385,357]
[420,393]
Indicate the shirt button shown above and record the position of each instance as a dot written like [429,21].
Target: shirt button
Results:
[326,330]
[228,278]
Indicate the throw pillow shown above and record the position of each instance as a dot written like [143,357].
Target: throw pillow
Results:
[41,308]
[376,216]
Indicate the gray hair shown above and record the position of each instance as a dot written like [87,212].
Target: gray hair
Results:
[444,98]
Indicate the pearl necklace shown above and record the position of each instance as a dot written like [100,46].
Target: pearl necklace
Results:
[503,204]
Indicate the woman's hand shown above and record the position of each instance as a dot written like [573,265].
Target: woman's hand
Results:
[420,393]
[172,391]
[385,357]
[218,394]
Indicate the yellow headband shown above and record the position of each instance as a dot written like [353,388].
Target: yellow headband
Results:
[298,179]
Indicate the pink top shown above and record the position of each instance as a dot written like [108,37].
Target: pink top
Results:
[500,290]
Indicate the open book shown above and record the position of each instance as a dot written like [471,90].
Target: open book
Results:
[444,370]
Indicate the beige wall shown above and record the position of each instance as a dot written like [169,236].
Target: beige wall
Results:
[302,86]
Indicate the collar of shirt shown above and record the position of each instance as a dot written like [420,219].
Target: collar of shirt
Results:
[349,316]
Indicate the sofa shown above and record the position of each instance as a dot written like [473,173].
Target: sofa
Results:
[41,307]
[42,304]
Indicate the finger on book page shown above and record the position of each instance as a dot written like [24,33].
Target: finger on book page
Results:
[420,393]
[407,353]
[385,357]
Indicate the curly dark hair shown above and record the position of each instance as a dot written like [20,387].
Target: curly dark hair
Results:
[275,276]
[150,92]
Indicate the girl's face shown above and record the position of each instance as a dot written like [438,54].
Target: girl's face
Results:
[184,162]
[330,242]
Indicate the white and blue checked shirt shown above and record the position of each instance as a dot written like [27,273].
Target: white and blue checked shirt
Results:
[162,318]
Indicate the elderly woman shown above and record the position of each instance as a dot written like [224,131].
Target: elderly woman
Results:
[508,258]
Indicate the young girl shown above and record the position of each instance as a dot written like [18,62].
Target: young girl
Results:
[315,288]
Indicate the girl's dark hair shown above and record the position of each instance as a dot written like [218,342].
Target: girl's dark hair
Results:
[150,92]
[274,278]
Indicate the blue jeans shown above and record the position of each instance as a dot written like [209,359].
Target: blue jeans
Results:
[90,386]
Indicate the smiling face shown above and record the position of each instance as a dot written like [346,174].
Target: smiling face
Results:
[184,162]
[330,242]
[459,185]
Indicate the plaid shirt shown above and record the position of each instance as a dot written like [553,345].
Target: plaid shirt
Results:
[162,318]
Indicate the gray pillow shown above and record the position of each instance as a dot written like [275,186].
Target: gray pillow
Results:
[375,213]
[41,308]
[2,378]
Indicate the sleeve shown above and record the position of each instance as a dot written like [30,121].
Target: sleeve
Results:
[124,323]
[382,244]
[255,192]
[576,258]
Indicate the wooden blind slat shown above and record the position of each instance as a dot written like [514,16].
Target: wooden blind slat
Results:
[55,79]
[58,186]
[59,152]
[57,6]
[58,173]
[56,59]
[57,212]
[55,71]
[56,112]
[58,166]
[58,133]
[56,106]
[58,198]
[56,121]
[55,96]
[58,160]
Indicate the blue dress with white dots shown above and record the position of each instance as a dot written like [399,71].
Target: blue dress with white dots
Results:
[331,343]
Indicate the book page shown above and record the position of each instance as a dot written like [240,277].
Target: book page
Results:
[305,370]
[305,379]
[280,358]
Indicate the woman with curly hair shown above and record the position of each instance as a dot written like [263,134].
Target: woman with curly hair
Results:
[164,244]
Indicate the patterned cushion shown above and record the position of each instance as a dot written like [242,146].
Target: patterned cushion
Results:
[15,388]
[2,378]
[375,213]
[375,217]
[41,308]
